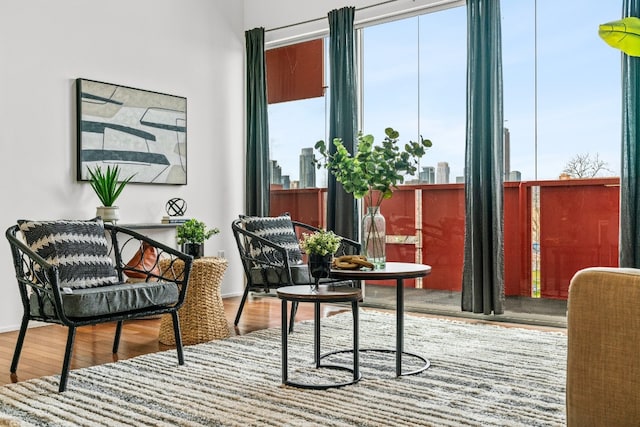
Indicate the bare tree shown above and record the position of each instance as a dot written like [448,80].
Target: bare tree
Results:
[585,166]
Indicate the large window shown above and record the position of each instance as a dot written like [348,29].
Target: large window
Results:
[561,103]
[561,85]
[414,80]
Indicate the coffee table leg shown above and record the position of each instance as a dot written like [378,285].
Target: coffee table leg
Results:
[316,334]
[285,356]
[356,340]
[399,325]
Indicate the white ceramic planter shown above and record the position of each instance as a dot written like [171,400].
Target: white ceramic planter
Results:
[108,213]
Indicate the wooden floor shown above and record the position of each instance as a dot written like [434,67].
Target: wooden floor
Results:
[43,349]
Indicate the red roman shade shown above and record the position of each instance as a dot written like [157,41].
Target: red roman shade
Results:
[295,72]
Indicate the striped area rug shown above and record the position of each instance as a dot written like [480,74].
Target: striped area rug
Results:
[480,375]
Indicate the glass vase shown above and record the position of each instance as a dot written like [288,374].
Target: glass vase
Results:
[374,237]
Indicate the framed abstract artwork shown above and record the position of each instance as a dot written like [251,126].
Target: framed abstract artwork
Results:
[143,132]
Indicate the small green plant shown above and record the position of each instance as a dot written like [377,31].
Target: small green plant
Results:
[194,231]
[107,185]
[321,242]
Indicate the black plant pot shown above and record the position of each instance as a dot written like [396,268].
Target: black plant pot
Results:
[196,250]
[319,265]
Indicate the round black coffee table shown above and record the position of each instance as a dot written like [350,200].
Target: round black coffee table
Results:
[397,271]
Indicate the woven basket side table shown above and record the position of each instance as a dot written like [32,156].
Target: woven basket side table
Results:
[202,316]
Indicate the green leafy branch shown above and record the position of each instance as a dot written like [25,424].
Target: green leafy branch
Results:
[374,168]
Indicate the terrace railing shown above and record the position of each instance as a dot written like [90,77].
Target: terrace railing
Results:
[552,229]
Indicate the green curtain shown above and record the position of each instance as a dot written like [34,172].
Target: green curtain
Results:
[341,206]
[483,270]
[630,170]
[257,159]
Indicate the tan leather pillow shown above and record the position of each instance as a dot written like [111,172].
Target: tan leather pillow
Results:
[146,259]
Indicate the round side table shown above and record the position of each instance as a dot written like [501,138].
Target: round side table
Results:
[202,316]
[324,294]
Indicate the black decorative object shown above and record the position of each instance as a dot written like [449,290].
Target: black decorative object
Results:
[176,207]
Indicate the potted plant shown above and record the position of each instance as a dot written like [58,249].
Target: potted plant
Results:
[108,187]
[372,173]
[320,247]
[191,236]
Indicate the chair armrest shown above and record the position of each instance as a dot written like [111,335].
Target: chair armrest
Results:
[127,243]
[33,272]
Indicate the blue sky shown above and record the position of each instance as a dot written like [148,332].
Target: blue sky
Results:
[415,81]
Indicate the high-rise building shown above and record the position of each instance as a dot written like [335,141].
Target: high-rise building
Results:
[286,183]
[428,175]
[515,176]
[307,169]
[276,172]
[507,156]
[442,173]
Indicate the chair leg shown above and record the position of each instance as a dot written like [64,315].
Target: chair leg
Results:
[178,337]
[67,358]
[19,343]
[294,310]
[116,340]
[242,301]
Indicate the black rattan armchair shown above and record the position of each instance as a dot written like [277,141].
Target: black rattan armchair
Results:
[271,255]
[74,273]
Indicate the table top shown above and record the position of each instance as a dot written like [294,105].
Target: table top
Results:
[210,259]
[325,293]
[392,270]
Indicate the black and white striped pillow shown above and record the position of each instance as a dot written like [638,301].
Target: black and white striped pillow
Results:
[277,229]
[78,248]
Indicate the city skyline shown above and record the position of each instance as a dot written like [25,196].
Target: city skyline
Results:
[439,174]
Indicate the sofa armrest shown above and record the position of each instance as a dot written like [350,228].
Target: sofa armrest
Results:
[603,355]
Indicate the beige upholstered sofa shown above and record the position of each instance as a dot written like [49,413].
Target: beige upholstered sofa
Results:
[603,360]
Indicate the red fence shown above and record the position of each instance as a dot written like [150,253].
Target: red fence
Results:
[551,230]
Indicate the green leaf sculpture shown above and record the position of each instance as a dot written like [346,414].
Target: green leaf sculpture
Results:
[623,34]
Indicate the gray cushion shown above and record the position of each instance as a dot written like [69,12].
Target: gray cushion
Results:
[276,276]
[106,300]
[279,230]
[78,248]
[299,275]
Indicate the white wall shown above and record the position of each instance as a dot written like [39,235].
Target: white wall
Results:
[191,48]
